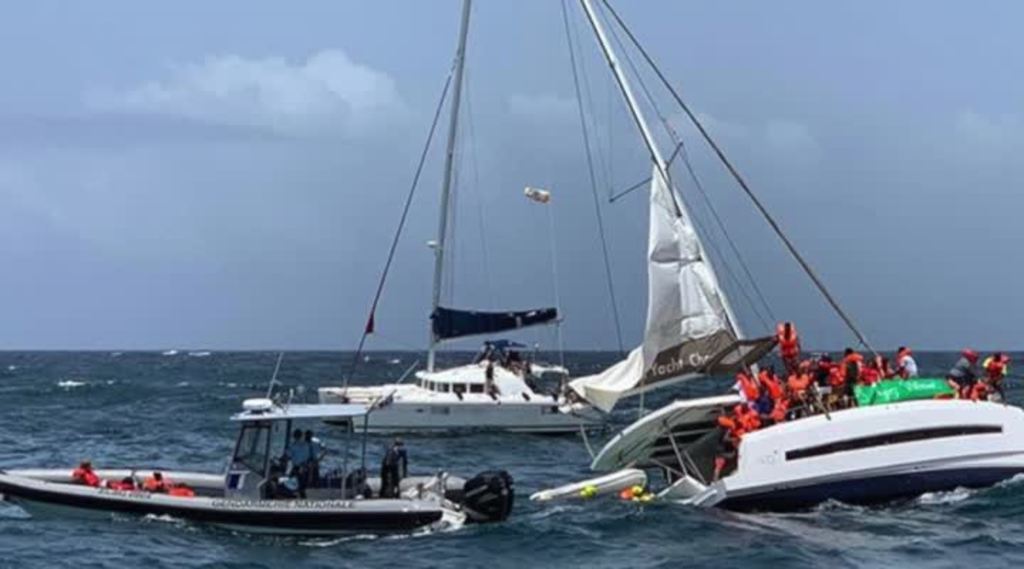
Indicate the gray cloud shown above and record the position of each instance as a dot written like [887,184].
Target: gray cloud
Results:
[325,93]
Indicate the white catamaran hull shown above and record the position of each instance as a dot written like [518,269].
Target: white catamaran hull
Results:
[474,413]
[876,454]
[458,399]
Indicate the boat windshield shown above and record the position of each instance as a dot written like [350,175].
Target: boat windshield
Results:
[252,447]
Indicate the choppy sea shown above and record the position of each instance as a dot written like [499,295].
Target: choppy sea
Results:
[139,408]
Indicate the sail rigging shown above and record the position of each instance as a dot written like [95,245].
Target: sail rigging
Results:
[690,328]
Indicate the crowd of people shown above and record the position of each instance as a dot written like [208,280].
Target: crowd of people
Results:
[821,385]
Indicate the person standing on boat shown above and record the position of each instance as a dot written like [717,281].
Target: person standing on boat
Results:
[299,456]
[963,373]
[393,469]
[316,454]
[789,346]
[906,366]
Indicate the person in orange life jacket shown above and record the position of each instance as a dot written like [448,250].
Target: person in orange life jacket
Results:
[906,366]
[779,411]
[753,392]
[739,422]
[155,483]
[996,367]
[789,345]
[963,373]
[84,475]
[851,368]
[771,384]
[798,381]
[748,386]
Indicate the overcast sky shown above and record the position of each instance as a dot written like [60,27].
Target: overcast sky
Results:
[229,174]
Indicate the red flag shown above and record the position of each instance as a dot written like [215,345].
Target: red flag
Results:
[369,325]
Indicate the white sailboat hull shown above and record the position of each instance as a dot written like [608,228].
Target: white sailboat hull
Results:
[473,414]
[457,399]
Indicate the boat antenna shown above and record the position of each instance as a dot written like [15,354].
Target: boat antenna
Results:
[742,183]
[273,377]
[369,328]
[449,167]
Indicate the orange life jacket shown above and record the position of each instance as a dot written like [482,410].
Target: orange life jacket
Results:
[995,368]
[835,377]
[979,391]
[748,386]
[789,346]
[181,490]
[732,425]
[771,384]
[778,413]
[85,476]
[798,383]
[748,420]
[856,361]
[151,484]
[123,485]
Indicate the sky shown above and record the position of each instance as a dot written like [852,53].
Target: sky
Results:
[229,175]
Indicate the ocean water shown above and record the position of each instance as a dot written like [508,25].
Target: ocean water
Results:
[149,409]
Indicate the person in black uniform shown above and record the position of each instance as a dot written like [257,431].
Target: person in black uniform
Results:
[393,469]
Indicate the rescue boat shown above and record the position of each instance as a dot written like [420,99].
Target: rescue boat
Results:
[254,495]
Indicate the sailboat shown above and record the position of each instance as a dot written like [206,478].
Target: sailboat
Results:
[498,391]
[862,454]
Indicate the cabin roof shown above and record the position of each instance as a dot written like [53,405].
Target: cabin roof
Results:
[303,411]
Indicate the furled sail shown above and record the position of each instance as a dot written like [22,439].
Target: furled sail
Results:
[451,323]
[687,333]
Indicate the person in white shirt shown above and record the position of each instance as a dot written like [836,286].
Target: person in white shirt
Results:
[906,367]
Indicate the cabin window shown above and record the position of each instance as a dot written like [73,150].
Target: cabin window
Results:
[459,388]
[252,447]
[476,388]
[897,437]
[445,387]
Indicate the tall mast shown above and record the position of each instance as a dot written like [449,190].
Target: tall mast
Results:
[449,165]
[660,165]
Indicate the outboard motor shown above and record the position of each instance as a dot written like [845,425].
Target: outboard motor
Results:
[488,497]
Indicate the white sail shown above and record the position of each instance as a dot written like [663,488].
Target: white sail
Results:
[686,323]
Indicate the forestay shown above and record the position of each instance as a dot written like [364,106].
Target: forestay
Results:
[687,332]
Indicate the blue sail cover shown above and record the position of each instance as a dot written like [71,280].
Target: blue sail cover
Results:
[451,323]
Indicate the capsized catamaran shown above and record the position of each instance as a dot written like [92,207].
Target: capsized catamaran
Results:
[864,454]
[498,391]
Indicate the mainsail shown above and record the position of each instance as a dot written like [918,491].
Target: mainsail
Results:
[688,333]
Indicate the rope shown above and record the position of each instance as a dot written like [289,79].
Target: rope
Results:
[743,184]
[368,329]
[593,181]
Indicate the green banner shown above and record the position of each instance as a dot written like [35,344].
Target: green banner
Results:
[893,390]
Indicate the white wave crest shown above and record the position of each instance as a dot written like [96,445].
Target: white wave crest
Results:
[70,384]
[947,497]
